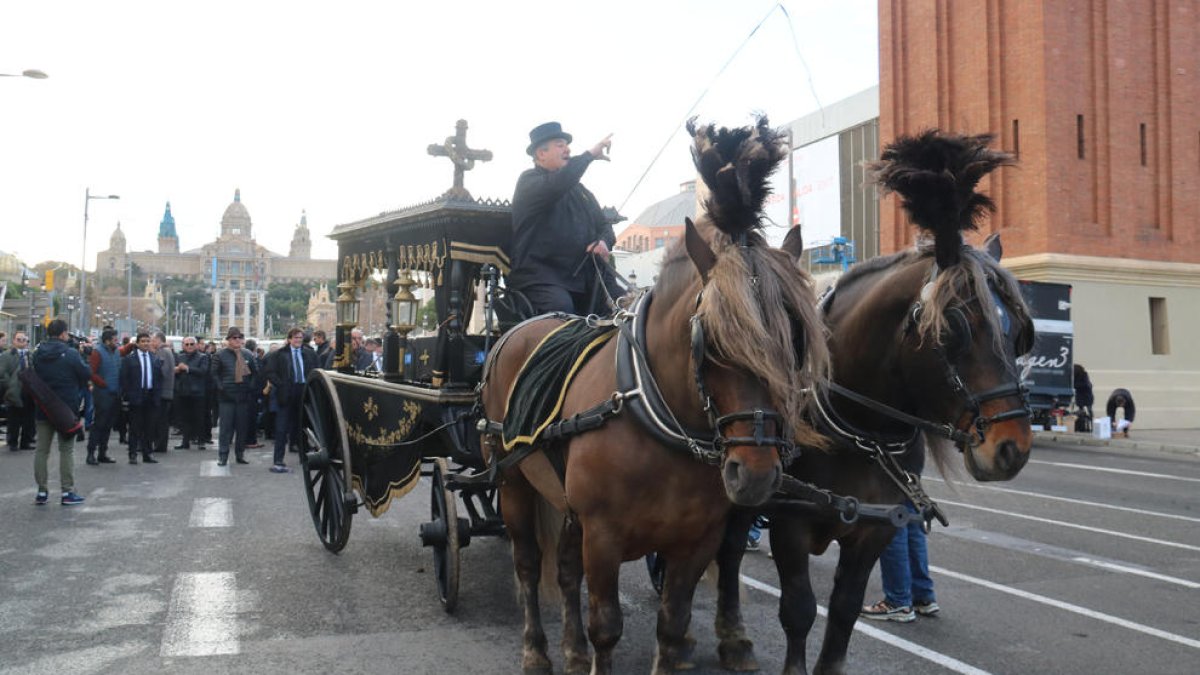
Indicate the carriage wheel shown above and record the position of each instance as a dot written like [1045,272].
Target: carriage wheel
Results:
[656,565]
[441,534]
[325,464]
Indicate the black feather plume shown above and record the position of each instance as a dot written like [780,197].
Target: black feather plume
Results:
[935,175]
[736,165]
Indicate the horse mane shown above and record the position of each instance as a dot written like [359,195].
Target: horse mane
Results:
[936,174]
[757,305]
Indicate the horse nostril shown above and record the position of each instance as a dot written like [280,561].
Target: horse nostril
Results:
[1008,456]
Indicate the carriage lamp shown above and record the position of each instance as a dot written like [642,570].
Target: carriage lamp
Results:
[347,305]
[404,305]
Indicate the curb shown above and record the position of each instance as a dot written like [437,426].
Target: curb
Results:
[1128,444]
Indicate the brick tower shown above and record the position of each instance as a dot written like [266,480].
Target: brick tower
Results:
[1100,101]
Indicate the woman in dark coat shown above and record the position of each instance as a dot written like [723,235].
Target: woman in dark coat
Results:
[1084,399]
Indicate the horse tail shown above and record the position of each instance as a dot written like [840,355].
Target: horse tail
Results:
[549,527]
[735,165]
[936,174]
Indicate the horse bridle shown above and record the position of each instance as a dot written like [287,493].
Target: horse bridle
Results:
[972,401]
[718,422]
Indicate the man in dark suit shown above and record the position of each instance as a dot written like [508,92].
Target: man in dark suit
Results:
[141,385]
[287,368]
[558,226]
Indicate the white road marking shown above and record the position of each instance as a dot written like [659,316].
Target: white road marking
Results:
[947,662]
[1127,472]
[1136,571]
[211,512]
[210,468]
[202,618]
[1075,609]
[1088,528]
[1044,550]
[1082,502]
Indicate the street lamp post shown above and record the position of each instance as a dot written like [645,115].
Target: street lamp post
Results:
[87,198]
[31,74]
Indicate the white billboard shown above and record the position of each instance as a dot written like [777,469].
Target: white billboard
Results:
[818,202]
[817,174]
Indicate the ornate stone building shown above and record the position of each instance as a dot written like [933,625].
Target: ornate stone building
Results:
[236,268]
[322,312]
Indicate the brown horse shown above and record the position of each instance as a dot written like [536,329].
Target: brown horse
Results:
[726,313]
[923,345]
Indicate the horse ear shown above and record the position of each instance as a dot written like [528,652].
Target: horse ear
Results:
[993,247]
[698,250]
[793,243]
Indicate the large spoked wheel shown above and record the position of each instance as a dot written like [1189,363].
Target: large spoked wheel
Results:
[441,534]
[325,461]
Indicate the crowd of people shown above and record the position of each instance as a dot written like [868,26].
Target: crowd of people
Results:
[139,388]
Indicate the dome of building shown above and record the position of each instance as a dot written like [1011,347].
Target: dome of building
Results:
[236,220]
[672,210]
[117,241]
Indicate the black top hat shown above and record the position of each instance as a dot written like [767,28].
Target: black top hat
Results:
[545,132]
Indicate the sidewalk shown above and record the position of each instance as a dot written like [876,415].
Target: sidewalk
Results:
[1182,441]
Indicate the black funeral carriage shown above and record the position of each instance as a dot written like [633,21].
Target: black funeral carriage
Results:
[370,436]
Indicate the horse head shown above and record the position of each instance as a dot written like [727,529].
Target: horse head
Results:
[753,307]
[965,320]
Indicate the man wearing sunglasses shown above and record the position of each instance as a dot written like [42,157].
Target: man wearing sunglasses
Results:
[234,368]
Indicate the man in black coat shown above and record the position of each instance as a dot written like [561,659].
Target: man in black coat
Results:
[234,370]
[191,384]
[286,370]
[63,370]
[141,386]
[558,226]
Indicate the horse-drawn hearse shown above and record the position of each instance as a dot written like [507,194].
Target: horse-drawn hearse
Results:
[724,391]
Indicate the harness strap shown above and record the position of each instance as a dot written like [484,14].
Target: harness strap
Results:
[587,420]
[944,430]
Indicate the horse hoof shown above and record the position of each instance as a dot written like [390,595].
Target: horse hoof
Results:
[738,656]
[536,664]
[578,665]
[663,666]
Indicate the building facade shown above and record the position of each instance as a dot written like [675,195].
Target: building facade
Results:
[237,269]
[1099,100]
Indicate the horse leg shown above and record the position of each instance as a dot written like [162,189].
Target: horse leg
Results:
[797,604]
[735,649]
[520,521]
[675,611]
[602,565]
[849,586]
[570,580]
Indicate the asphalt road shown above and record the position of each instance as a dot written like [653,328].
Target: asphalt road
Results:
[1088,562]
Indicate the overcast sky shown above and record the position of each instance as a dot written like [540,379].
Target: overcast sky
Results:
[329,107]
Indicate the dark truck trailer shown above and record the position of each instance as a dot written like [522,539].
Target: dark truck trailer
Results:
[1048,369]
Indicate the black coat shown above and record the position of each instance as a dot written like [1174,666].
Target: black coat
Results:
[1111,406]
[554,219]
[281,371]
[131,379]
[63,370]
[224,363]
[192,382]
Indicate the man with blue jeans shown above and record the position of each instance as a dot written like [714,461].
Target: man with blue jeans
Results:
[904,568]
[904,565]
